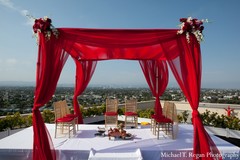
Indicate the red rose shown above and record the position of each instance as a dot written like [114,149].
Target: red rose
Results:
[183,19]
[35,28]
[49,20]
[201,28]
[188,27]
[42,25]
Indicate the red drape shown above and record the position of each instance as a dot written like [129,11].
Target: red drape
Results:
[84,72]
[156,74]
[86,45]
[104,44]
[51,60]
[187,70]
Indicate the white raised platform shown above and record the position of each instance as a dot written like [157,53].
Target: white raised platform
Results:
[19,146]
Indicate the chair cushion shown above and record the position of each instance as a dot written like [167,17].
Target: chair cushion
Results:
[163,120]
[130,114]
[71,115]
[111,113]
[154,116]
[65,119]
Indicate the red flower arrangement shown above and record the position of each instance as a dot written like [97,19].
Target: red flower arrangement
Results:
[43,25]
[194,26]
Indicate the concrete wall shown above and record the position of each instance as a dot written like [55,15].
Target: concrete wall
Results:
[142,105]
[182,106]
[212,107]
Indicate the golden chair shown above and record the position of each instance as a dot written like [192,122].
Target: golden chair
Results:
[165,122]
[131,116]
[62,122]
[66,112]
[111,115]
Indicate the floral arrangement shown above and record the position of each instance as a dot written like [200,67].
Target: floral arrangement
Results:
[44,25]
[192,25]
[119,132]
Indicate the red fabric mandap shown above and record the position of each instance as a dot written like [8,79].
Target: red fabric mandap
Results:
[153,48]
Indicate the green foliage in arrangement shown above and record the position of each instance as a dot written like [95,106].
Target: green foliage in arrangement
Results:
[29,120]
[121,111]
[214,119]
[92,111]
[183,117]
[48,116]
[15,121]
[180,118]
[145,113]
[222,121]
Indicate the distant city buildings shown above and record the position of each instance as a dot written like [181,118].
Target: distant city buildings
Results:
[20,99]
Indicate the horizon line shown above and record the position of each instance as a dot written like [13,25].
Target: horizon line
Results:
[109,85]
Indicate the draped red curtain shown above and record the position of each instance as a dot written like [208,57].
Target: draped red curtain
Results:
[156,74]
[84,72]
[86,46]
[105,44]
[187,70]
[51,60]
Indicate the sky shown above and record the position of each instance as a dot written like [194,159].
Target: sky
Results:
[220,48]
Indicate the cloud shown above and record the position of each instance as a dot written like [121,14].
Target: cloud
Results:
[11,61]
[26,13]
[7,66]
[22,12]
[8,4]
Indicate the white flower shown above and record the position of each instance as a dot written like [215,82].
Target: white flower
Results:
[194,26]
[45,18]
[189,19]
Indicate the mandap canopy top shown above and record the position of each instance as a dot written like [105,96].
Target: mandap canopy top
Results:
[155,49]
